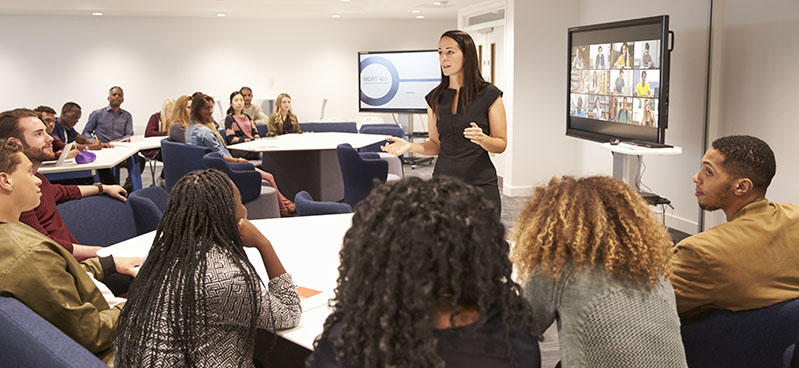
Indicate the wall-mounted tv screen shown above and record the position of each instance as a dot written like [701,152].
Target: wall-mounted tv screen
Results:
[618,80]
[396,81]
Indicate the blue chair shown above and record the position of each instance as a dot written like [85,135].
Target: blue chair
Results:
[752,338]
[306,206]
[393,130]
[180,159]
[262,129]
[99,220]
[342,127]
[260,199]
[28,340]
[359,172]
[148,206]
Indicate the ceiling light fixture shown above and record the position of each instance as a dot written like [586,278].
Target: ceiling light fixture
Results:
[416,11]
[440,3]
[420,17]
[221,14]
[335,16]
[97,14]
[345,1]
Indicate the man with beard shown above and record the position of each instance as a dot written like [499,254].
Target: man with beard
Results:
[25,128]
[752,260]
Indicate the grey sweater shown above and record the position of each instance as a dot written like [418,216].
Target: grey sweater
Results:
[608,321]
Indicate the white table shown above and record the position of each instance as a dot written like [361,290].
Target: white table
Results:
[307,246]
[107,158]
[307,161]
[144,144]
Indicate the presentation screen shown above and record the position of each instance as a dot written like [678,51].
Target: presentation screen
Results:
[396,81]
[618,81]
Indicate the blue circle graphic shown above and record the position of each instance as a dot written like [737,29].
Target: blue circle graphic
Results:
[392,91]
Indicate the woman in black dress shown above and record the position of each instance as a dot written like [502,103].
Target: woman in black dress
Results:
[466,119]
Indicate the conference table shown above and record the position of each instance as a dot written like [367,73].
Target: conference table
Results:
[309,249]
[107,158]
[307,161]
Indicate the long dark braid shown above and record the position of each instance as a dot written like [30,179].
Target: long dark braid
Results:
[411,243]
[199,216]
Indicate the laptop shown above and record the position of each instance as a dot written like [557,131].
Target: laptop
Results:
[62,158]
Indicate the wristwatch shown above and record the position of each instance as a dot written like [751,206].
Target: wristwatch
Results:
[99,187]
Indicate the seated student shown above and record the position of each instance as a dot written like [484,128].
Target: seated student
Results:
[239,128]
[158,125]
[47,115]
[251,109]
[425,281]
[42,274]
[200,132]
[751,260]
[64,129]
[597,261]
[624,114]
[197,300]
[22,125]
[282,120]
[179,119]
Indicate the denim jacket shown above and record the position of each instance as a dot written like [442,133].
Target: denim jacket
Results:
[199,135]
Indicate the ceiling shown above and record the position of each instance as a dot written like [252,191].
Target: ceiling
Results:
[352,9]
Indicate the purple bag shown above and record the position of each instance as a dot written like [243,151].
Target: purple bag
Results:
[85,157]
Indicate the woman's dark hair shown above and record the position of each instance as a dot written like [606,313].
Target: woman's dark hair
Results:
[230,109]
[472,79]
[171,286]
[196,107]
[414,244]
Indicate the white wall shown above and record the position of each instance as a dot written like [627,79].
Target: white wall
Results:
[755,79]
[51,60]
[535,94]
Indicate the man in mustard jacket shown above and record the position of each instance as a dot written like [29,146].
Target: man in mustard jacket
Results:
[752,260]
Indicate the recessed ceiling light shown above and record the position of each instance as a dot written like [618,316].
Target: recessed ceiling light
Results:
[420,17]
[345,1]
[416,11]
[437,3]
[335,16]
[97,14]
[221,14]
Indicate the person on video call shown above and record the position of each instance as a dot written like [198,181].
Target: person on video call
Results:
[624,57]
[649,117]
[625,115]
[466,119]
[646,58]
[600,62]
[642,89]
[620,83]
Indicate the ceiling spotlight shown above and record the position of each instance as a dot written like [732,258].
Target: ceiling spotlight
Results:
[97,14]
[420,17]
[335,16]
[440,3]
[416,11]
[345,1]
[220,14]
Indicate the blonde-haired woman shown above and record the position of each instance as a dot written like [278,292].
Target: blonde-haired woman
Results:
[157,125]
[179,119]
[596,259]
[282,120]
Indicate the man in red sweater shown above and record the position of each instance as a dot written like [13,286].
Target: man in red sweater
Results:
[24,127]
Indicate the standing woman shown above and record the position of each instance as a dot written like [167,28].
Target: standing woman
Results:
[466,119]
[283,120]
[239,128]
[201,132]
[198,300]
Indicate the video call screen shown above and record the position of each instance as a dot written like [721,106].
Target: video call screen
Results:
[616,81]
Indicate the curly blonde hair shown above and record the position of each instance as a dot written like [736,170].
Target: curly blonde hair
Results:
[588,221]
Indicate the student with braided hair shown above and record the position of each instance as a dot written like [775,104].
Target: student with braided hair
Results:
[597,260]
[425,281]
[197,300]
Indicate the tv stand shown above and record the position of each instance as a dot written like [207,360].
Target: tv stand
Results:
[627,160]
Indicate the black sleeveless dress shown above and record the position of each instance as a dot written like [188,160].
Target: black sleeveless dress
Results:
[459,157]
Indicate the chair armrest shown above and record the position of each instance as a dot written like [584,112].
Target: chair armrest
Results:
[369,155]
[241,166]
